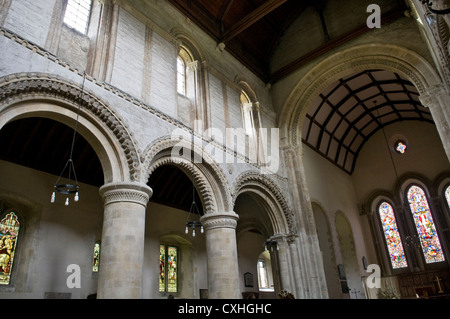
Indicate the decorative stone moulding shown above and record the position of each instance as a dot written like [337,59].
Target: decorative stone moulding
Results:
[219,220]
[25,86]
[126,192]
[279,206]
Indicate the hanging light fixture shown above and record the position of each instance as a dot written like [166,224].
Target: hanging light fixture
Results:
[193,224]
[69,188]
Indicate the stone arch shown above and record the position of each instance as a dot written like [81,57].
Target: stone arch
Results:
[37,94]
[207,175]
[355,59]
[184,38]
[243,84]
[280,214]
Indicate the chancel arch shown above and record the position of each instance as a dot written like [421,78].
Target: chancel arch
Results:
[320,109]
[404,62]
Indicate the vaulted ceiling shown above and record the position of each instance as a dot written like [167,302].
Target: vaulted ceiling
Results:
[351,110]
[251,29]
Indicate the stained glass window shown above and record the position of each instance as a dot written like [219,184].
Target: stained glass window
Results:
[400,147]
[168,268]
[447,195]
[183,61]
[96,257]
[426,229]
[9,232]
[162,268]
[392,236]
[172,262]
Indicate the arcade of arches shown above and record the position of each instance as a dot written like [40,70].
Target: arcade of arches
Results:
[305,164]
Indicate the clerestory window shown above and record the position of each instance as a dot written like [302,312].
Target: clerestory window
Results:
[77,14]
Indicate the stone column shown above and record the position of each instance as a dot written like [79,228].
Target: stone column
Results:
[309,275]
[122,250]
[438,101]
[221,254]
[281,257]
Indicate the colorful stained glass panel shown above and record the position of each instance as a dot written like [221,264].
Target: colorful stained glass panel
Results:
[9,232]
[425,226]
[96,257]
[447,196]
[392,236]
[172,263]
[162,268]
[401,147]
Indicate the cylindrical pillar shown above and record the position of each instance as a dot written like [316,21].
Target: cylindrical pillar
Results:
[221,254]
[122,250]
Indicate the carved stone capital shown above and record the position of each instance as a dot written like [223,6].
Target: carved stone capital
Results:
[431,96]
[126,192]
[219,220]
[194,66]
[290,239]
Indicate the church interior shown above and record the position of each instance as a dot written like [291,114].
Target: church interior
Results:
[154,149]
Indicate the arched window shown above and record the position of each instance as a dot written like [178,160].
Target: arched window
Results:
[184,58]
[264,271]
[181,76]
[9,232]
[168,268]
[251,124]
[247,113]
[77,14]
[96,257]
[392,236]
[426,229]
[263,281]
[447,195]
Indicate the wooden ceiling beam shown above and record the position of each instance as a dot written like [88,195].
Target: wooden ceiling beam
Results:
[251,18]
[390,16]
[226,5]
[289,19]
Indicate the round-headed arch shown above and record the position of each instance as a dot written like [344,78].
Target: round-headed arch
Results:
[52,97]
[263,187]
[402,61]
[207,176]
